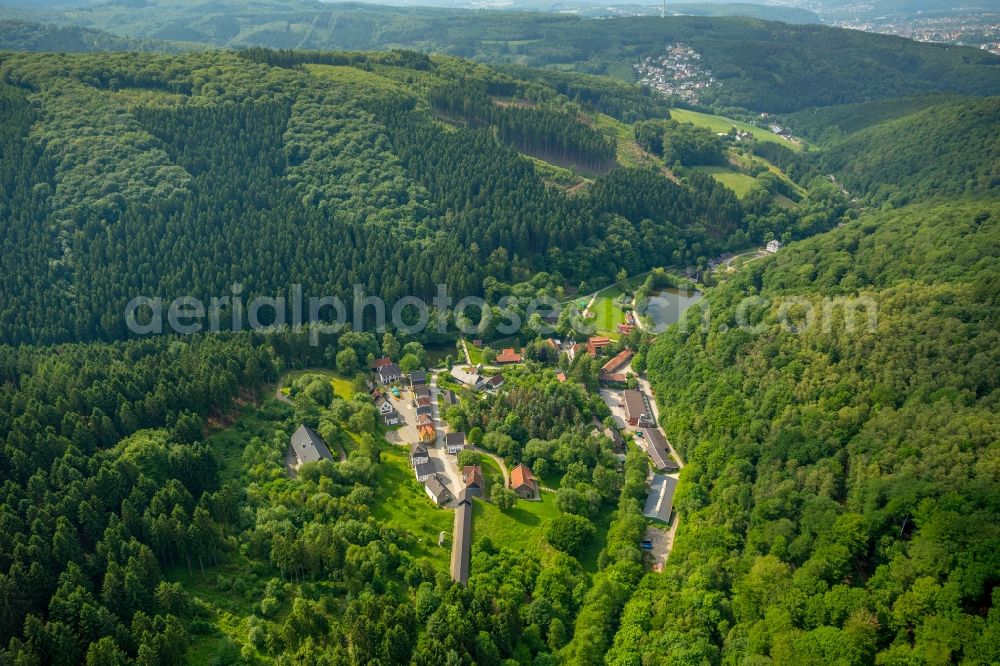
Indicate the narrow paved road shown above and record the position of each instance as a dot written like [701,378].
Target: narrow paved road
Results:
[438,450]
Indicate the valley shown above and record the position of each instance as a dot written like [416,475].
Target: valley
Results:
[353,334]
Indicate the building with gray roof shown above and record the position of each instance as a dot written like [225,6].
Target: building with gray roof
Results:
[308,446]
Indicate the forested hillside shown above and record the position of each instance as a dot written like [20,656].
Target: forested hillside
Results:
[763,66]
[28,36]
[141,175]
[841,494]
[948,149]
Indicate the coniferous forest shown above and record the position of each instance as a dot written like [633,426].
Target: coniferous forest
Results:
[832,402]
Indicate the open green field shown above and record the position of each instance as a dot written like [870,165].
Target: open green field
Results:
[722,124]
[400,501]
[738,182]
[607,315]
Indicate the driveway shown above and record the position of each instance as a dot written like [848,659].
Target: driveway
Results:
[444,464]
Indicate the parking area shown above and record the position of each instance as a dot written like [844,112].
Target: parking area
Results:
[404,405]
[661,540]
[613,399]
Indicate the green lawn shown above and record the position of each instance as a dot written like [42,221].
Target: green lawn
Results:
[722,124]
[523,528]
[400,501]
[740,183]
[475,354]
[520,528]
[607,315]
[490,469]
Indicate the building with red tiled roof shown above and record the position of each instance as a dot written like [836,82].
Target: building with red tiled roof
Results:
[618,361]
[523,482]
[509,356]
[596,344]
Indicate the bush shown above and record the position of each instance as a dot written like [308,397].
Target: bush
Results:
[468,457]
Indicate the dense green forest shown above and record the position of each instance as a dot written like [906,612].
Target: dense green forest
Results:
[324,175]
[764,66]
[948,149]
[840,498]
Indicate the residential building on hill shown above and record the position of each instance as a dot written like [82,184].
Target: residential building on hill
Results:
[523,482]
[307,446]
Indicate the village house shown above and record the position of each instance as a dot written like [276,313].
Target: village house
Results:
[307,446]
[388,373]
[436,490]
[426,432]
[493,383]
[468,376]
[610,371]
[387,410]
[383,404]
[424,471]
[418,378]
[636,410]
[508,356]
[418,453]
[472,477]
[454,442]
[381,363]
[421,392]
[596,344]
[523,482]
